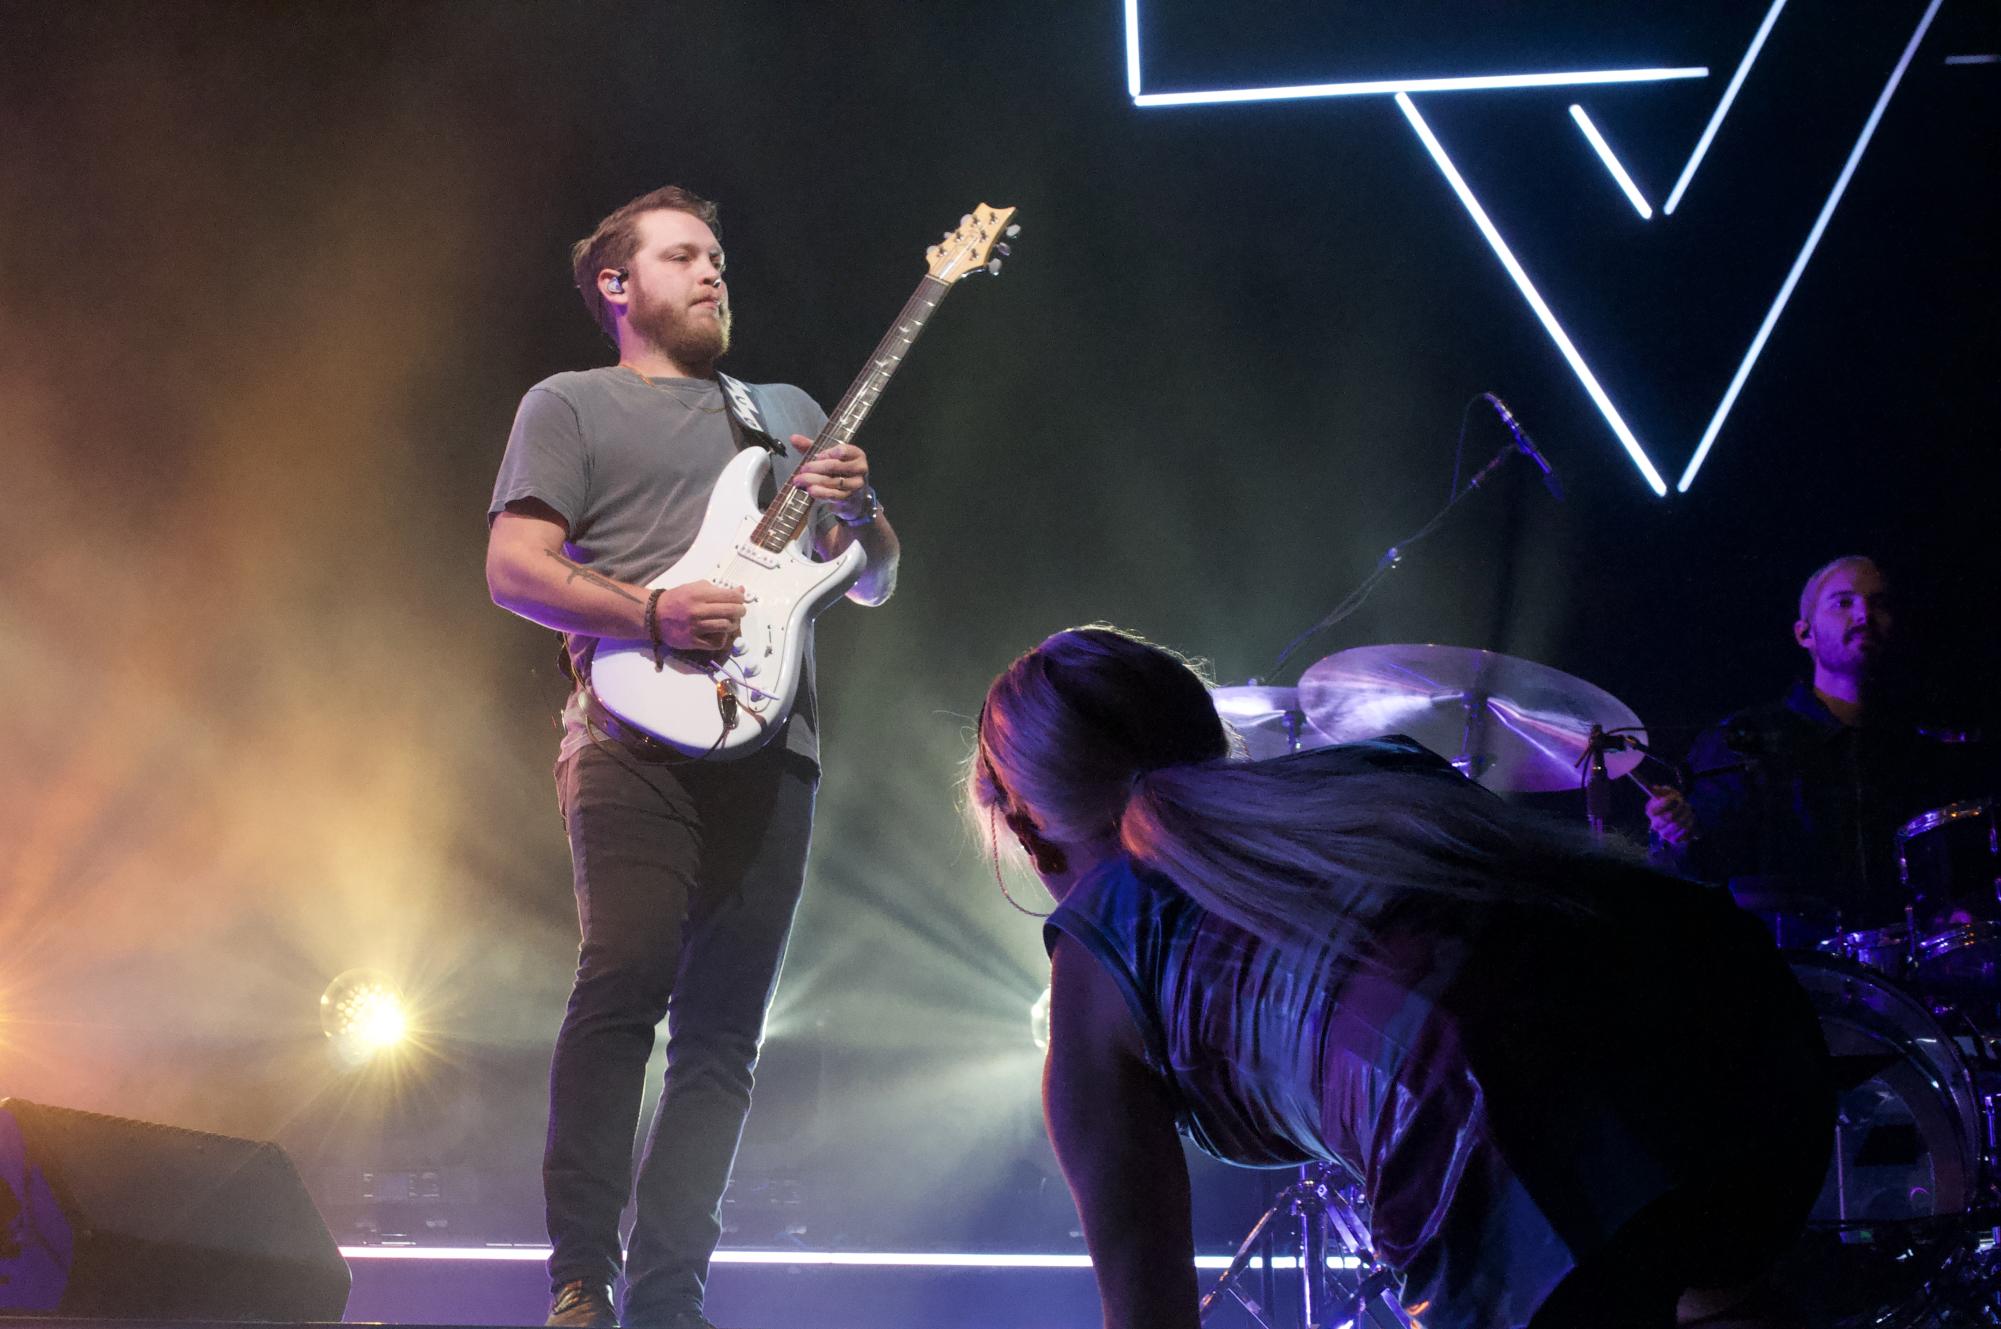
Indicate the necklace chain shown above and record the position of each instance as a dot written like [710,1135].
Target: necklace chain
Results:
[697,407]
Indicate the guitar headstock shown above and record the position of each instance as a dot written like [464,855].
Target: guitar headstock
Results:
[970,248]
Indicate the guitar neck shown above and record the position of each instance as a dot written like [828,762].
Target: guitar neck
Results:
[788,511]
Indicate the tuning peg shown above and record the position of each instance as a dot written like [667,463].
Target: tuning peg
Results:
[1012,231]
[1004,250]
[994,267]
[966,220]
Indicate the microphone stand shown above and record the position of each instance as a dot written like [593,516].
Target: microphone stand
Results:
[1392,557]
[1325,1212]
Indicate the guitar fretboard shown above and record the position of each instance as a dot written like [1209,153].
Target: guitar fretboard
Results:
[782,520]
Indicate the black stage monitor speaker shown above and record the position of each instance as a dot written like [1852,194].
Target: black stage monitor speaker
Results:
[108,1217]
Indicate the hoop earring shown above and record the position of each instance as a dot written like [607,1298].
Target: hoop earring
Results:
[1046,857]
[993,846]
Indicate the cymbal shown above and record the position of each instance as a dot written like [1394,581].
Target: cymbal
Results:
[1269,719]
[1511,724]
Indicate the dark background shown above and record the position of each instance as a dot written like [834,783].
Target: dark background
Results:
[272,279]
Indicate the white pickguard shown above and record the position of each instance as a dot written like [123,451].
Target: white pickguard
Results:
[783,593]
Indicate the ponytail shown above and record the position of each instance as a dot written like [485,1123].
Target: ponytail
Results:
[1318,846]
[1096,729]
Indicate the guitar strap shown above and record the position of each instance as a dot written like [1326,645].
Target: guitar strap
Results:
[746,425]
[747,428]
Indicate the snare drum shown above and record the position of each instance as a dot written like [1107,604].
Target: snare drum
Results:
[1886,950]
[1962,964]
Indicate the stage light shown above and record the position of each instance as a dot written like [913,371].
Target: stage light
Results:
[1806,250]
[363,1017]
[1612,164]
[1529,293]
[1038,1021]
[1722,108]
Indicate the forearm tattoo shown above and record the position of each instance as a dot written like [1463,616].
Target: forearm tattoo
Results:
[578,572]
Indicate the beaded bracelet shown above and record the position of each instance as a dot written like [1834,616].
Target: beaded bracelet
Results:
[653,628]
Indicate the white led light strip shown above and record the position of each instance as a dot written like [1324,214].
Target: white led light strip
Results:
[1722,108]
[1384,87]
[1379,87]
[840,1259]
[1806,251]
[1534,297]
[1612,164]
[1401,88]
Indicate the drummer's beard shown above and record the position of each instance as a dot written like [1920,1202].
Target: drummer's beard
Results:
[1861,652]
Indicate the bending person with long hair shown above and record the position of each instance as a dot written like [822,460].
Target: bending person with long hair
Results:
[1575,1092]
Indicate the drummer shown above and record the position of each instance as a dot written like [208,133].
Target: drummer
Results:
[1799,800]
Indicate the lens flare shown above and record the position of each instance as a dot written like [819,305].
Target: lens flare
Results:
[363,1017]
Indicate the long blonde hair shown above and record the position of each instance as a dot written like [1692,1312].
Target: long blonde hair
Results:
[1098,729]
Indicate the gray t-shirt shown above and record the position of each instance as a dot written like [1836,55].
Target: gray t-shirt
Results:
[628,463]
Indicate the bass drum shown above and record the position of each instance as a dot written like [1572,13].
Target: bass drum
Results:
[1891,1219]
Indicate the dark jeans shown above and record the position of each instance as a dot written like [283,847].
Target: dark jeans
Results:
[687,877]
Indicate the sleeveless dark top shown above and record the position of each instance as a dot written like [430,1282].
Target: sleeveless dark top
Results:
[1238,1025]
[1511,1082]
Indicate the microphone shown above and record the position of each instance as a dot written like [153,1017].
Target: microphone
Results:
[1526,446]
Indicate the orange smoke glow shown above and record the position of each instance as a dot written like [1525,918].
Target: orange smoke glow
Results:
[250,676]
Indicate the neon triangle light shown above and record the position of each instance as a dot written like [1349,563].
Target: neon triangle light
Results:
[1401,90]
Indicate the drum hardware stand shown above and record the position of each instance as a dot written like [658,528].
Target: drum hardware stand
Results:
[1327,1220]
[1910,935]
[1473,760]
[1597,779]
[1293,720]
[1990,1117]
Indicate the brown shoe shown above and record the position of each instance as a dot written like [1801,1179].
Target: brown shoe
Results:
[581,1304]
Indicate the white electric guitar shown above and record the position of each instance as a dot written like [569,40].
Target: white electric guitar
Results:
[726,704]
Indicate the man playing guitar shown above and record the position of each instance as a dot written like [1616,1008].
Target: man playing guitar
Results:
[686,872]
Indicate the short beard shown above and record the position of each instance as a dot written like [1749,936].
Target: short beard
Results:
[1866,665]
[692,342]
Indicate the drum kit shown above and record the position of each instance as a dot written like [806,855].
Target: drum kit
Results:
[1906,1228]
